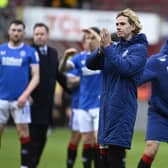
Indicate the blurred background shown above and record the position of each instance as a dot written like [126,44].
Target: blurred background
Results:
[66,18]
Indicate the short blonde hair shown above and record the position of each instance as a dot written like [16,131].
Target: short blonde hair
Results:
[133,19]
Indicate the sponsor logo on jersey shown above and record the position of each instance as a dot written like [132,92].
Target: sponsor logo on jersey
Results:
[86,71]
[3,52]
[11,61]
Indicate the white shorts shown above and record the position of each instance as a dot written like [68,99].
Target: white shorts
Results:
[19,115]
[88,120]
[74,122]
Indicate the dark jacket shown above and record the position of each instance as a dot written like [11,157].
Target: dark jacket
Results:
[122,66]
[43,95]
[156,71]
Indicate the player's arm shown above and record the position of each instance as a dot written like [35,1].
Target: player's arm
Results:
[73,81]
[63,65]
[31,86]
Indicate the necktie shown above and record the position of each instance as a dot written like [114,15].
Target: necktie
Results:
[43,51]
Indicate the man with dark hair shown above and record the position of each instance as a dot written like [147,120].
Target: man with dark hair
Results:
[43,95]
[74,122]
[18,62]
[89,96]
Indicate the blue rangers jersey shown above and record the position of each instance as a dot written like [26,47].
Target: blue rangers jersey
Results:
[90,82]
[15,69]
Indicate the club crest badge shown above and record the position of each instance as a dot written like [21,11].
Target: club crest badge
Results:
[22,53]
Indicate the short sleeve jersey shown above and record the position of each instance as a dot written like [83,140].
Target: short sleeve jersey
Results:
[90,82]
[15,69]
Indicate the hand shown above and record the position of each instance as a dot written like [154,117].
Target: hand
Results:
[70,51]
[105,38]
[21,101]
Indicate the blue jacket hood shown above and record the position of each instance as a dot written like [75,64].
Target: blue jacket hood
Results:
[138,38]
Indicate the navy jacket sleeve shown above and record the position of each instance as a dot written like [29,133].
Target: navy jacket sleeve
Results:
[95,61]
[127,65]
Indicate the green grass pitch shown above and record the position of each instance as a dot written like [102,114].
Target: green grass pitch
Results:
[54,155]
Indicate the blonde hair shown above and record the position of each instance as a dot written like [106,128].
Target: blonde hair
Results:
[133,19]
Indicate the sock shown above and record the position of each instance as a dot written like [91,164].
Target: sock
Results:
[96,155]
[71,155]
[145,162]
[103,157]
[116,157]
[25,154]
[87,155]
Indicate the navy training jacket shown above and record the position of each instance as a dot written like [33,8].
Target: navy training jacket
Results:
[156,71]
[122,65]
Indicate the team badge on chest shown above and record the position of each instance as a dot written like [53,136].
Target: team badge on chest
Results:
[22,53]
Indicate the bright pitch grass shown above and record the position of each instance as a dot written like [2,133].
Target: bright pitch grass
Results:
[54,155]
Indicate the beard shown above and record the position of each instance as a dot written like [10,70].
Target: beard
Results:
[16,41]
